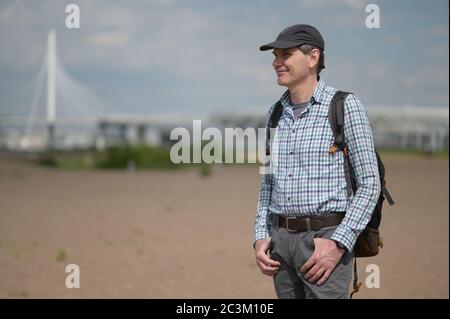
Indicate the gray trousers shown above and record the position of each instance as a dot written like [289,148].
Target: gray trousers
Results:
[292,250]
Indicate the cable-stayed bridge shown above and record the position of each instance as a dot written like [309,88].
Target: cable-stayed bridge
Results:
[64,113]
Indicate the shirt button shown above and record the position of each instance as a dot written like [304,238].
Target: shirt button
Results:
[291,152]
[289,198]
[290,175]
[293,131]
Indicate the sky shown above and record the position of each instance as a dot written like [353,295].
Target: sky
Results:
[201,57]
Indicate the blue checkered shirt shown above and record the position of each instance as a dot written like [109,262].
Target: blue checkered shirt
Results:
[309,180]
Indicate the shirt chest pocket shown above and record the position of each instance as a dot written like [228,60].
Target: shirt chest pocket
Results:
[318,136]
[317,161]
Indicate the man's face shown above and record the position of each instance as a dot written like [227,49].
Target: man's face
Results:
[291,66]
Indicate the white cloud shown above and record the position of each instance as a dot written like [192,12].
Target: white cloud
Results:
[108,39]
[319,4]
[437,31]
[257,72]
[114,17]
[426,75]
[428,82]
[8,12]
[377,71]
[356,4]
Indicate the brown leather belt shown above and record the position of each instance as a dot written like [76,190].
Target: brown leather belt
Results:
[302,224]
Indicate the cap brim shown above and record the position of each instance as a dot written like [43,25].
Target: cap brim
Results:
[279,44]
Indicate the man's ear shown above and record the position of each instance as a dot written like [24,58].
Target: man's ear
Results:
[315,55]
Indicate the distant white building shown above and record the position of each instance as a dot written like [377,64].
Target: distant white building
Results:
[423,128]
[397,127]
[410,127]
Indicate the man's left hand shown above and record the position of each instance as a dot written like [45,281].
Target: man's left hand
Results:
[323,261]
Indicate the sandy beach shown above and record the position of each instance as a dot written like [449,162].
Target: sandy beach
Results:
[177,234]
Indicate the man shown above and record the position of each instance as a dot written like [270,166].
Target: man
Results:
[306,224]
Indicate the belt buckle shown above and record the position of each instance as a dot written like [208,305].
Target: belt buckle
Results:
[287,224]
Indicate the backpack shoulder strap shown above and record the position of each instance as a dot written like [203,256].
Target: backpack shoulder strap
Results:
[275,115]
[274,118]
[336,119]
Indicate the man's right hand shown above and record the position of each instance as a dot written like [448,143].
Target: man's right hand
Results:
[268,266]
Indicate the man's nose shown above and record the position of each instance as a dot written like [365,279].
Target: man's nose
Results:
[277,63]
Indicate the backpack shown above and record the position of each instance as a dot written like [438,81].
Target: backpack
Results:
[369,241]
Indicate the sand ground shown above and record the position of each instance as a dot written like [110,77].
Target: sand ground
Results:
[176,234]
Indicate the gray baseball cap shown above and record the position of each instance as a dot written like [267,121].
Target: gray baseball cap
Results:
[296,35]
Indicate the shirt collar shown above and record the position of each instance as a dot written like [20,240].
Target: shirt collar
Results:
[316,97]
[318,91]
